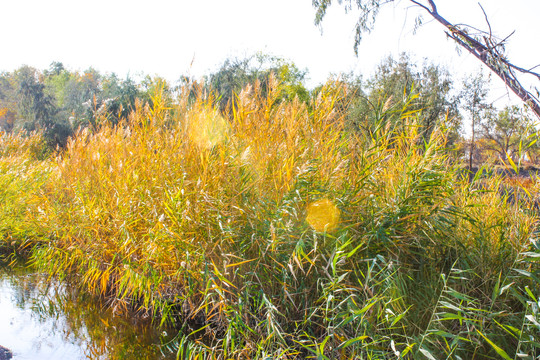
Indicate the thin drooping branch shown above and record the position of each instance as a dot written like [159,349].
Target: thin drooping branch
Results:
[488,53]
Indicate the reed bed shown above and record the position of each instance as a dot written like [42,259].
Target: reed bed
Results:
[24,170]
[274,231]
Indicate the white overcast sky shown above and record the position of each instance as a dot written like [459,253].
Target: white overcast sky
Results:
[174,37]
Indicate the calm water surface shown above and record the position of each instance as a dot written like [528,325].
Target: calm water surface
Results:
[42,319]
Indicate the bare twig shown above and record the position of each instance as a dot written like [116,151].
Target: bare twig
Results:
[487,20]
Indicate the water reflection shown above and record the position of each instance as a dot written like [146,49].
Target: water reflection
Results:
[41,319]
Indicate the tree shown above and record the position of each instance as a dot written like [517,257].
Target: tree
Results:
[401,86]
[235,74]
[83,95]
[8,103]
[119,96]
[7,120]
[474,102]
[506,131]
[36,107]
[55,100]
[56,68]
[28,102]
[485,46]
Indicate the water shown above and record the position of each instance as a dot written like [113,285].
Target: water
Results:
[44,319]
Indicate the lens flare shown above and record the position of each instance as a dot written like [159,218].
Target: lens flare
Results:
[323,215]
[208,129]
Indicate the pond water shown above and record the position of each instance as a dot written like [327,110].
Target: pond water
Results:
[44,319]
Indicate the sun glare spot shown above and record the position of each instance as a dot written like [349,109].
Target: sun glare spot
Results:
[208,129]
[323,215]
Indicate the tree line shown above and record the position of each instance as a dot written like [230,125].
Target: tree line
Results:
[58,101]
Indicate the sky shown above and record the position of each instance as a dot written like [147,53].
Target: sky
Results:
[171,38]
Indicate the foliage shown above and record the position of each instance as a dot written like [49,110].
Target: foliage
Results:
[58,101]
[23,173]
[227,236]
[508,132]
[235,74]
[369,9]
[84,97]
[36,107]
[474,101]
[400,85]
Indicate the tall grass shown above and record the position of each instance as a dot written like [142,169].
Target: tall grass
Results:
[24,170]
[273,231]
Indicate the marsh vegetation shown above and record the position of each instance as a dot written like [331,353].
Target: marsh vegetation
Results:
[275,227]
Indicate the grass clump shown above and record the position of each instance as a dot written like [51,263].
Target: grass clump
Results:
[275,231]
[24,170]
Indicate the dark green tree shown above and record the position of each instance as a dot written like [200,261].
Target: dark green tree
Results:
[119,96]
[56,68]
[235,74]
[29,104]
[34,104]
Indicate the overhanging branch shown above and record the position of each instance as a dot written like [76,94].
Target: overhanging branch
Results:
[488,53]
